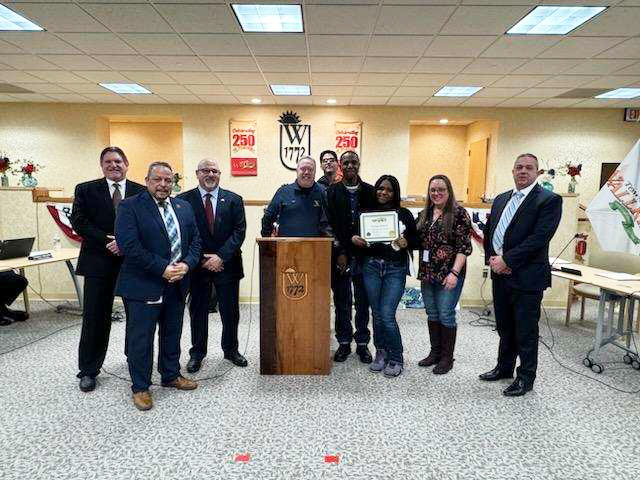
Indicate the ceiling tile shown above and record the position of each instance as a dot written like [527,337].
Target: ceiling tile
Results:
[631,70]
[200,18]
[27,62]
[270,100]
[157,43]
[494,65]
[571,81]
[520,46]
[519,81]
[321,100]
[196,78]
[388,64]
[218,99]
[147,99]
[415,91]
[441,65]
[598,103]
[426,79]
[465,80]
[160,88]
[338,19]
[33,97]
[59,17]
[337,45]
[398,45]
[627,49]
[283,64]
[337,78]
[476,101]
[288,78]
[85,88]
[57,76]
[208,89]
[545,66]
[186,99]
[126,62]
[409,101]
[13,76]
[103,77]
[333,90]
[274,44]
[255,90]
[458,46]
[97,43]
[38,42]
[335,64]
[597,66]
[373,91]
[491,92]
[557,103]
[106,97]
[75,62]
[69,97]
[380,79]
[444,101]
[612,22]
[580,47]
[216,44]
[230,63]
[520,102]
[369,100]
[148,77]
[241,78]
[537,92]
[135,18]
[6,47]
[418,20]
[179,63]
[293,100]
[42,87]
[613,82]
[483,20]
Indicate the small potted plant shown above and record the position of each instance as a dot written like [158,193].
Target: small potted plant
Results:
[176,182]
[5,165]
[573,171]
[27,168]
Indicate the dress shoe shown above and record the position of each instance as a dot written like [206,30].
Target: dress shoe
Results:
[194,365]
[181,383]
[344,350]
[142,400]
[4,321]
[517,388]
[237,359]
[15,315]
[364,354]
[87,383]
[493,375]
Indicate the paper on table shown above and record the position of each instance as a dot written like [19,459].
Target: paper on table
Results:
[618,276]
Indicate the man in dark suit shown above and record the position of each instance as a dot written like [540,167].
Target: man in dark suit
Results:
[11,285]
[516,247]
[222,225]
[160,243]
[93,218]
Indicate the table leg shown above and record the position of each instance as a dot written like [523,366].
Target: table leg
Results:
[25,295]
[72,271]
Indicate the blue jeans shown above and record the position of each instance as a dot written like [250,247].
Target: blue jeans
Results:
[439,303]
[384,282]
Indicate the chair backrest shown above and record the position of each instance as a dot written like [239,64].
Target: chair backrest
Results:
[615,262]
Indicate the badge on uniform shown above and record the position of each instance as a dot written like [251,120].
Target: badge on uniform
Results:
[316,203]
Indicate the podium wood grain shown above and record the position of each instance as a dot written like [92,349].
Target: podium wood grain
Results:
[295,332]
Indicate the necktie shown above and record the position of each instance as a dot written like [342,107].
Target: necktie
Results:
[117,196]
[172,232]
[208,212]
[505,220]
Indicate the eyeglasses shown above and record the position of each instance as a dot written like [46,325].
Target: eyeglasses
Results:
[207,171]
[437,190]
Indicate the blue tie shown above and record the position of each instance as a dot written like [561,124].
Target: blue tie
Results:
[172,232]
[505,220]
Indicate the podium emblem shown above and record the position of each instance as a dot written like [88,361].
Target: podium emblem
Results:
[294,284]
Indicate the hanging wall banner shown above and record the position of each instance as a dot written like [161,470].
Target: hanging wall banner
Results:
[348,137]
[244,151]
[295,139]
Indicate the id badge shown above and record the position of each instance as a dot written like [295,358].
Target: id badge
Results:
[425,255]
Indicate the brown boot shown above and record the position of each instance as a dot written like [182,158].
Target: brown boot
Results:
[436,345]
[181,383]
[448,346]
[142,400]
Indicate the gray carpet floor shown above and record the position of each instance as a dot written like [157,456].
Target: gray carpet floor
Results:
[419,425]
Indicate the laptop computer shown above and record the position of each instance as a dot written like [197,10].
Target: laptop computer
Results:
[19,247]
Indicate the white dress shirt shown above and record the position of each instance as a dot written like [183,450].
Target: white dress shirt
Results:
[525,191]
[123,187]
[172,213]
[214,197]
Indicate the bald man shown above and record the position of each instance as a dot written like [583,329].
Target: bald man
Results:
[221,221]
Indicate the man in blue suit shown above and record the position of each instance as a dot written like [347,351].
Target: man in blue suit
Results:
[222,225]
[159,240]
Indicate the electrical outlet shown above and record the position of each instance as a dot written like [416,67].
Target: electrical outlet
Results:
[485,272]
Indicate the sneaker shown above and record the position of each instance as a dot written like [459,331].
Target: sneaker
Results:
[379,362]
[393,369]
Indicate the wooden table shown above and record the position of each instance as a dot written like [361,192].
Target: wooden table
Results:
[61,255]
[623,293]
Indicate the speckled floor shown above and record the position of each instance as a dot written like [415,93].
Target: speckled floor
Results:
[418,426]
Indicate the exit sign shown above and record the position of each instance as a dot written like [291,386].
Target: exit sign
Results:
[632,114]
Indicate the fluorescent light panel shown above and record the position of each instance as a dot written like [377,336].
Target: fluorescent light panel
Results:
[10,20]
[269,18]
[126,88]
[291,89]
[621,93]
[457,91]
[554,20]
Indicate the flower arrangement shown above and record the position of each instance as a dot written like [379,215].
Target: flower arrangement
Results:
[5,165]
[548,174]
[27,168]
[573,171]
[176,182]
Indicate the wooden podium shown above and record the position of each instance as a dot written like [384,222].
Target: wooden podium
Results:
[295,280]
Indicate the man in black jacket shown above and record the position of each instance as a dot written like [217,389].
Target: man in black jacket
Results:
[222,225]
[11,285]
[516,246]
[93,218]
[345,201]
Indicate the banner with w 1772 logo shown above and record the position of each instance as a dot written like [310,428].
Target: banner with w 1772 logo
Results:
[614,212]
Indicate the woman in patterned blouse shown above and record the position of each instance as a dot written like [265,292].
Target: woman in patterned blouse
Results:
[444,231]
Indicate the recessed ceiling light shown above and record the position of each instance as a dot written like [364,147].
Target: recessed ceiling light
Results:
[444,121]
[554,20]
[456,91]
[269,18]
[125,88]
[331,101]
[256,100]
[10,20]
[621,93]
[291,89]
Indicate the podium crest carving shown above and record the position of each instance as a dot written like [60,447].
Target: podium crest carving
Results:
[294,284]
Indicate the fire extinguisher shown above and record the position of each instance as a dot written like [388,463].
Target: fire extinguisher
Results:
[581,245]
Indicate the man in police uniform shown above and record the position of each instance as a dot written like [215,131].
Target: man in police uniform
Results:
[297,209]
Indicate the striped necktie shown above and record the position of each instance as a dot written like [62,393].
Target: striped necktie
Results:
[172,232]
[505,220]
[117,195]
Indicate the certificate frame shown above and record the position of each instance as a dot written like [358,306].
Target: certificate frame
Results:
[373,226]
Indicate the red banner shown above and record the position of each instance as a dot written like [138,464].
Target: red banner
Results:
[61,214]
[242,142]
[244,166]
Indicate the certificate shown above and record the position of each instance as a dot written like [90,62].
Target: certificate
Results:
[379,226]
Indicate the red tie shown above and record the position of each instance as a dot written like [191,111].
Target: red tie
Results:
[208,212]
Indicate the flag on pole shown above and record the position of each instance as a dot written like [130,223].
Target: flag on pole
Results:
[61,214]
[614,212]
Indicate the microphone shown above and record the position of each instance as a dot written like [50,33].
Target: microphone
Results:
[563,249]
